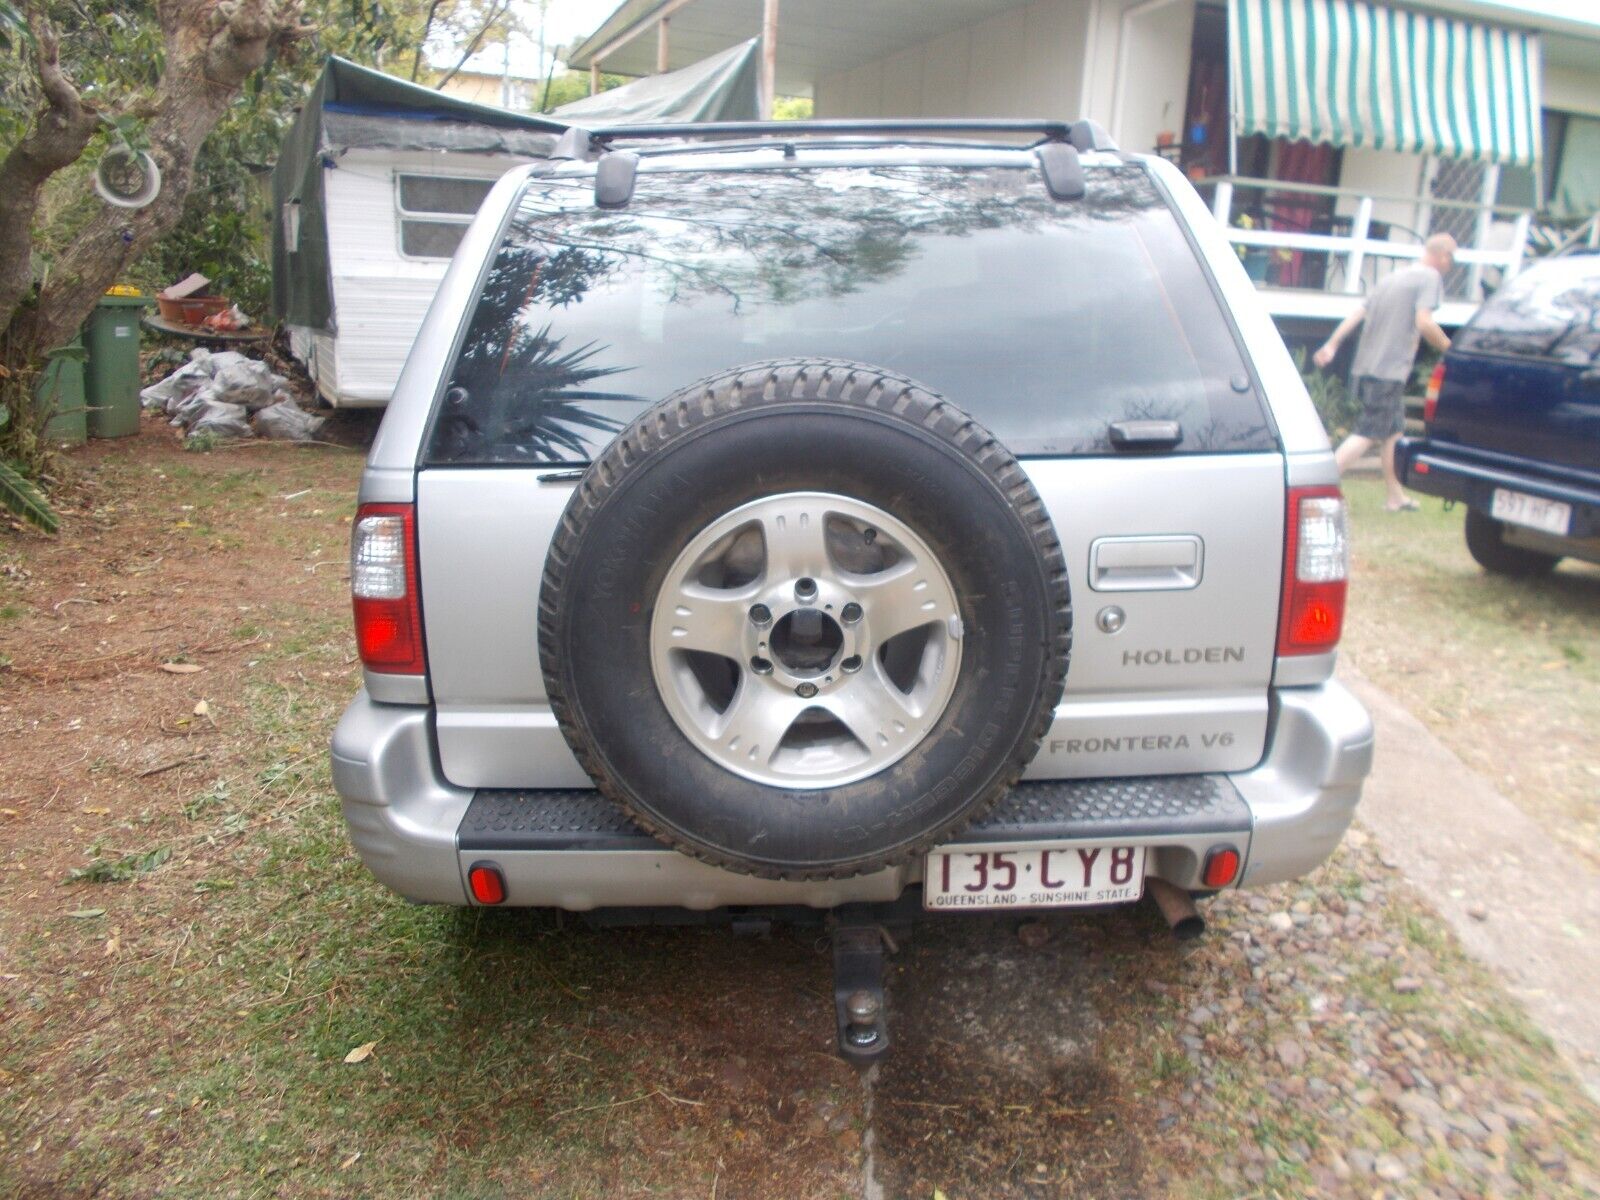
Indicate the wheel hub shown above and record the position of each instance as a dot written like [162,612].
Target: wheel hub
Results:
[832,662]
[806,641]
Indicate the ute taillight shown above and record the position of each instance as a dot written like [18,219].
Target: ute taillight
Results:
[1430,400]
[383,586]
[1316,571]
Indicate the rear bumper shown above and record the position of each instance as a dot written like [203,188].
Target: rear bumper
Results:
[412,829]
[1470,476]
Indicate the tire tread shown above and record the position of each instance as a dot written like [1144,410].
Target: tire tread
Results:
[784,381]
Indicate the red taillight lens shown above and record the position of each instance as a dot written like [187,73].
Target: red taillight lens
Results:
[1316,570]
[1430,401]
[383,587]
[1222,865]
[487,884]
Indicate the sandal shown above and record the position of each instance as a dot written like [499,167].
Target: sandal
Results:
[1406,505]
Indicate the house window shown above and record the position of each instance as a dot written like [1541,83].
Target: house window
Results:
[1571,167]
[435,211]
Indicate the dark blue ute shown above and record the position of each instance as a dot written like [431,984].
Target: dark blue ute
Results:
[1513,421]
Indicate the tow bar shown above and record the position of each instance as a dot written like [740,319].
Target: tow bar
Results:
[860,940]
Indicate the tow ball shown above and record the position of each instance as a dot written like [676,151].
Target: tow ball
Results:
[860,1007]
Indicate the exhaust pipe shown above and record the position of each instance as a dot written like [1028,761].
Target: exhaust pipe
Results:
[1176,906]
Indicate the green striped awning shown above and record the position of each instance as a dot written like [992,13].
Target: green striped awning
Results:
[1358,74]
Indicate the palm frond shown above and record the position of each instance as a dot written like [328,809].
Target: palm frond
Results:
[20,496]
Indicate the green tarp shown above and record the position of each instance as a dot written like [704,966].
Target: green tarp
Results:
[723,87]
[352,106]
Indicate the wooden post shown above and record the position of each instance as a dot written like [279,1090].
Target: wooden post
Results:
[769,56]
[594,76]
[661,46]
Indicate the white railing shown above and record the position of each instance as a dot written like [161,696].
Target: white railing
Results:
[1354,259]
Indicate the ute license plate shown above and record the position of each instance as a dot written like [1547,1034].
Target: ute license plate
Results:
[1534,512]
[1045,877]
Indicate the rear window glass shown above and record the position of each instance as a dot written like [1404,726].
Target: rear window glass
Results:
[1045,320]
[1550,312]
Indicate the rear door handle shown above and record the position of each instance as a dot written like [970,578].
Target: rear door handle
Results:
[1145,435]
[1153,563]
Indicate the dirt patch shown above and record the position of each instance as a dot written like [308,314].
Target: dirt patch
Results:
[178,1022]
[127,642]
[998,1084]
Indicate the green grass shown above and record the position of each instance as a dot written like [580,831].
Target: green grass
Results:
[1506,672]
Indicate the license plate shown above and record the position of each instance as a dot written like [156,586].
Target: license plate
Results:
[1534,512]
[1053,877]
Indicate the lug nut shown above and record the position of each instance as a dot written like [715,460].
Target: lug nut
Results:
[760,666]
[805,690]
[850,613]
[852,664]
[805,589]
[760,614]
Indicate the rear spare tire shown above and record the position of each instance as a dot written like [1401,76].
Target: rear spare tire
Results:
[804,619]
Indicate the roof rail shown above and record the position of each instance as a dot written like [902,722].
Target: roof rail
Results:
[1091,135]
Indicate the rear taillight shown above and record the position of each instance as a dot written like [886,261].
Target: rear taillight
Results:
[383,585]
[487,883]
[1316,568]
[1221,866]
[1430,400]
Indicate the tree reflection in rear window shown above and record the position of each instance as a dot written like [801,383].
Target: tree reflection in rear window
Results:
[1045,320]
[1549,312]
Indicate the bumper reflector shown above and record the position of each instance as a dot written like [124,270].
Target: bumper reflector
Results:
[1221,868]
[487,884]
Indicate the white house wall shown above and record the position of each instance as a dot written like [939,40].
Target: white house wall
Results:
[380,297]
[1572,89]
[1383,173]
[1150,87]
[1025,62]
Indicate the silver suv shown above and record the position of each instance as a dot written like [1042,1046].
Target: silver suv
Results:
[846,517]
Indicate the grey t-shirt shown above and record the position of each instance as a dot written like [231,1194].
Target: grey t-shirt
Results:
[1389,336]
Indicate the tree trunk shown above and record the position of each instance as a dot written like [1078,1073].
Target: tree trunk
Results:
[56,139]
[212,47]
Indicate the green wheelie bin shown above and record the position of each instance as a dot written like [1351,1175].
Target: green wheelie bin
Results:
[111,375]
[59,395]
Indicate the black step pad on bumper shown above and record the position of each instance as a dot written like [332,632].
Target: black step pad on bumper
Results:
[1159,806]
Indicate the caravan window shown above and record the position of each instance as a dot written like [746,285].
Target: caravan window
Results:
[435,211]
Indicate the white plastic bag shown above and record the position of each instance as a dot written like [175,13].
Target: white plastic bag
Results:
[186,409]
[287,421]
[186,380]
[223,420]
[249,383]
[222,358]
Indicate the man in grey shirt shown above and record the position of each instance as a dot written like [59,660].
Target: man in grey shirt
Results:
[1398,314]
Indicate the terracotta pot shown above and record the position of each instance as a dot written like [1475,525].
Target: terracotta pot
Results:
[191,310]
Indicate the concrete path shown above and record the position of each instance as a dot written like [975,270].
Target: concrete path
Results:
[1463,844]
